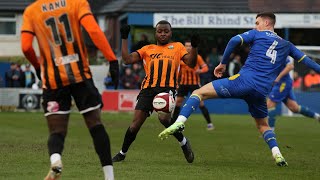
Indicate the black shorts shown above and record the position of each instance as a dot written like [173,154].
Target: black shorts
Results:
[85,95]
[185,90]
[145,98]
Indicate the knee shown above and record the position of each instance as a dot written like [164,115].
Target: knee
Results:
[262,125]
[294,109]
[164,120]
[135,127]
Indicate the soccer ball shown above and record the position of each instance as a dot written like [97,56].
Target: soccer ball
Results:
[163,103]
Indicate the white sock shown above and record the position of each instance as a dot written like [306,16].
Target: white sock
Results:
[122,153]
[275,150]
[55,157]
[181,119]
[316,116]
[108,172]
[183,142]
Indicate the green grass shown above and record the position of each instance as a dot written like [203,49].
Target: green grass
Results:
[233,151]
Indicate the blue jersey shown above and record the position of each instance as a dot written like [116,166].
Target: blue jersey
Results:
[266,59]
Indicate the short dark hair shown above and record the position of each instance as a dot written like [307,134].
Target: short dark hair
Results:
[269,15]
[163,22]
[187,40]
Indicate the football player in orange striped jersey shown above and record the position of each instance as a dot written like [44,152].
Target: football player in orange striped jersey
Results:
[161,63]
[65,72]
[190,81]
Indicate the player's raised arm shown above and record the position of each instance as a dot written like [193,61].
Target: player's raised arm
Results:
[301,57]
[28,51]
[97,36]
[232,44]
[126,57]
[101,42]
[191,58]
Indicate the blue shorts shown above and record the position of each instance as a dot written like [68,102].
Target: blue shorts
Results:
[234,87]
[282,92]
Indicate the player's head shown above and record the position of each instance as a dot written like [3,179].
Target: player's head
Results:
[163,32]
[265,21]
[187,44]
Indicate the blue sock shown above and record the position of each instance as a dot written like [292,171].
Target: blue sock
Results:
[270,138]
[306,111]
[191,105]
[272,117]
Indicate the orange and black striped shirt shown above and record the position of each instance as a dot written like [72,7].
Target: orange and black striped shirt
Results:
[56,24]
[188,76]
[161,64]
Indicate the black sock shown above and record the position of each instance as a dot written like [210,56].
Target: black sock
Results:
[205,113]
[101,144]
[55,143]
[178,135]
[176,113]
[128,140]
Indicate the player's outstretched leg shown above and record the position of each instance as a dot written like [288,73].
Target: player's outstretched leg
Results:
[55,146]
[270,139]
[308,113]
[272,118]
[129,137]
[190,106]
[183,141]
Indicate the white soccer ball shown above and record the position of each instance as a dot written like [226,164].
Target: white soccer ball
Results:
[163,102]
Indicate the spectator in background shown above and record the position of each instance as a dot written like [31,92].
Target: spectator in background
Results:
[1,82]
[29,77]
[143,41]
[13,76]
[213,58]
[108,82]
[235,65]
[128,81]
[312,79]
[297,81]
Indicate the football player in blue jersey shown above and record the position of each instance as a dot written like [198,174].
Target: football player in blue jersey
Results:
[282,92]
[266,59]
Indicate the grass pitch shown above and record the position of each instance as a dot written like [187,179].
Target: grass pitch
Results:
[233,150]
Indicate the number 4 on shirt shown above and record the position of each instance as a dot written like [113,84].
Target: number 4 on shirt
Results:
[272,53]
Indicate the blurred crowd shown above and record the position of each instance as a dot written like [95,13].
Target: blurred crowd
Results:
[19,76]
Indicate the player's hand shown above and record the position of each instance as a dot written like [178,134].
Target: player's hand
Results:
[195,40]
[114,72]
[124,30]
[198,71]
[38,73]
[219,70]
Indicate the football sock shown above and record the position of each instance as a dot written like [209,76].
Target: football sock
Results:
[128,140]
[272,117]
[190,106]
[183,142]
[108,172]
[54,158]
[101,144]
[121,152]
[205,113]
[176,113]
[306,112]
[270,139]
[55,143]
